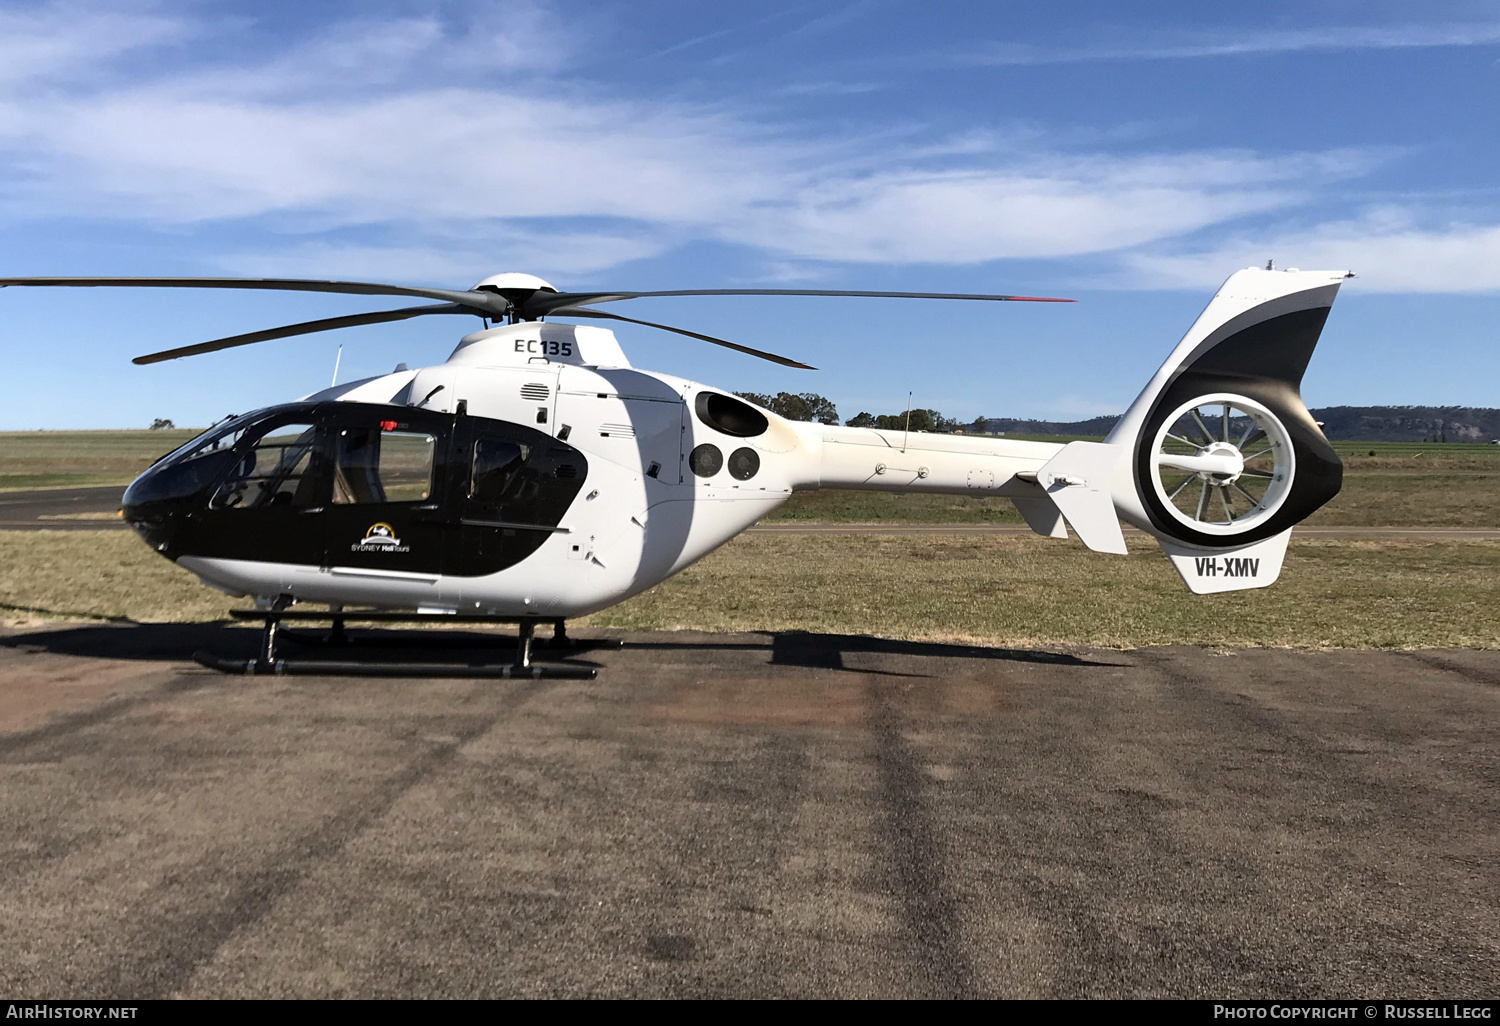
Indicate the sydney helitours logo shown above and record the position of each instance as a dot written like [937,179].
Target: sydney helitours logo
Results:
[380,537]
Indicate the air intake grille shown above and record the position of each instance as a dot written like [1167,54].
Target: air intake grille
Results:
[535,392]
[616,431]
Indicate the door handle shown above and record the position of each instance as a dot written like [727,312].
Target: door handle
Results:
[311,509]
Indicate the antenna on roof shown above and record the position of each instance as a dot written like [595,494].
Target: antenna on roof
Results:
[336,358]
[906,430]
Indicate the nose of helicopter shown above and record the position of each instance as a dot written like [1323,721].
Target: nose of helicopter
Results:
[158,528]
[156,510]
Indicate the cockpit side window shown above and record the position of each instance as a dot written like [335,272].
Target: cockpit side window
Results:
[275,471]
[217,439]
[381,463]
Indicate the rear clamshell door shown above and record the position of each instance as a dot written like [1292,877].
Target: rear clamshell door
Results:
[516,485]
[629,418]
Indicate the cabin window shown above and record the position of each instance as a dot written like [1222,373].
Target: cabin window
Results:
[496,473]
[275,471]
[382,463]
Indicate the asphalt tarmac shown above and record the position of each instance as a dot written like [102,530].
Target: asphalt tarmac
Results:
[62,509]
[749,815]
[93,509]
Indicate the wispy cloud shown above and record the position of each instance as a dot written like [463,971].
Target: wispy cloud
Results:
[1184,46]
[457,258]
[1388,249]
[432,137]
[232,145]
[66,40]
[1041,206]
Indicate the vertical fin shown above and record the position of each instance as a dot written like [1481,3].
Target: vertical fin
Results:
[1078,480]
[1042,516]
[1208,571]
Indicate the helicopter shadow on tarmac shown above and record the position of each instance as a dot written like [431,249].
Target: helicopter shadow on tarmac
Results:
[811,650]
[817,651]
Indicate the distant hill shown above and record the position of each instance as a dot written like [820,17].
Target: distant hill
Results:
[1344,423]
[1009,426]
[1410,423]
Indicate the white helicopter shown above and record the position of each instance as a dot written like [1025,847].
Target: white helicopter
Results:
[535,475]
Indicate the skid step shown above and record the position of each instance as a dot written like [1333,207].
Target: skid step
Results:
[350,668]
[270,661]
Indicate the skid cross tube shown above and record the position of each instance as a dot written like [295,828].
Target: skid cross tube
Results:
[269,660]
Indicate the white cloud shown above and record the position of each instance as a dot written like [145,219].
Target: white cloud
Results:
[1384,247]
[66,40]
[364,127]
[1045,207]
[159,154]
[1181,46]
[166,154]
[459,261]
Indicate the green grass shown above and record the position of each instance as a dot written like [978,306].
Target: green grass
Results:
[837,506]
[1438,451]
[1031,591]
[993,590]
[27,482]
[1403,484]
[75,459]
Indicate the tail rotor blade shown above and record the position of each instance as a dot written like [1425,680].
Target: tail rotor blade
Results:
[305,328]
[601,315]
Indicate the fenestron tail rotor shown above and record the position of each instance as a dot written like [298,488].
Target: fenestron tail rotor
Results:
[516,297]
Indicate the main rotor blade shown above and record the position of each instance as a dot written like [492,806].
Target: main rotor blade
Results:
[492,304]
[544,302]
[305,328]
[600,314]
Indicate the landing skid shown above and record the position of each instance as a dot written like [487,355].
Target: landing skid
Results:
[269,661]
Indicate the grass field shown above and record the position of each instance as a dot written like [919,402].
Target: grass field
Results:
[1401,485]
[1004,590]
[1390,484]
[999,590]
[71,459]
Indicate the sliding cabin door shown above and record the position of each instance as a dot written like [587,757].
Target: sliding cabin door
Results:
[386,503]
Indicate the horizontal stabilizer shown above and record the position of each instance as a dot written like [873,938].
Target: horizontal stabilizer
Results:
[1248,566]
[1042,516]
[1078,481]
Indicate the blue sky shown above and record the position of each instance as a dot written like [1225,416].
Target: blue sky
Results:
[1127,155]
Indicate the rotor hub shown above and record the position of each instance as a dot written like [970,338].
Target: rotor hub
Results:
[517,288]
[1231,463]
[514,281]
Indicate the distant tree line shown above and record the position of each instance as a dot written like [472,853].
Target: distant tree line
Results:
[807,406]
[920,420]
